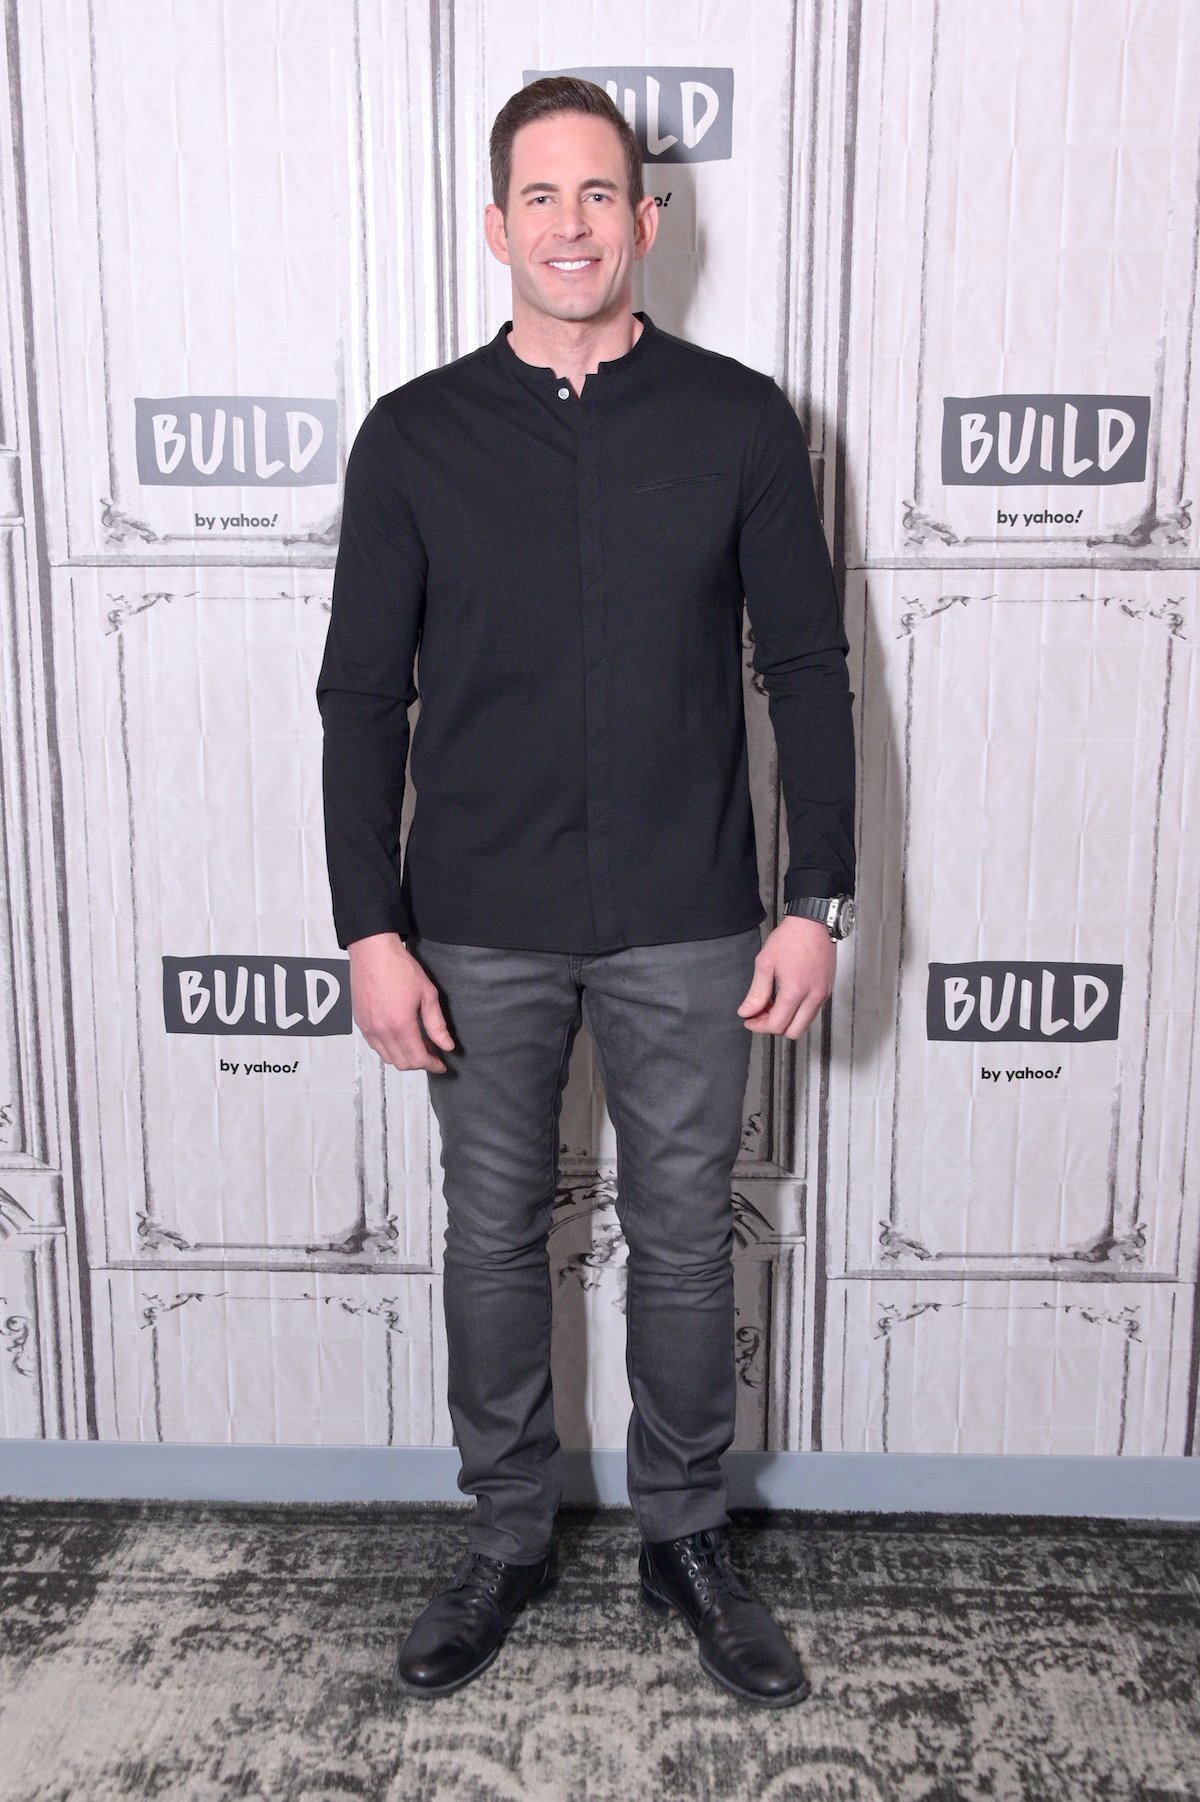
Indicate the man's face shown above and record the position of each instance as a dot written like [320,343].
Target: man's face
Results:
[569,234]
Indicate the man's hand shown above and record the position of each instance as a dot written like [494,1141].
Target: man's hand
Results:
[392,998]
[801,958]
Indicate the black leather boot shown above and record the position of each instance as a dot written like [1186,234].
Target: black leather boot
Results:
[742,1646]
[459,1633]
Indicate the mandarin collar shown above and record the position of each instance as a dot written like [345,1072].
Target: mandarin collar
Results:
[539,376]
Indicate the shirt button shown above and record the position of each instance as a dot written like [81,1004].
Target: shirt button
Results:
[564,394]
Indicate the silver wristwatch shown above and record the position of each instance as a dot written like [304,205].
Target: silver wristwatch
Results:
[835,912]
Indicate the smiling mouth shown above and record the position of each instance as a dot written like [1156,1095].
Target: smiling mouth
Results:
[571,263]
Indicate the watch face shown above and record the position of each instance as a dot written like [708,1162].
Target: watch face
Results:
[845,918]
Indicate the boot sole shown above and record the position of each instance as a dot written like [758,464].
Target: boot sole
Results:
[662,1608]
[430,1692]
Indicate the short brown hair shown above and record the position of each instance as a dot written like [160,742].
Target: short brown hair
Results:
[542,99]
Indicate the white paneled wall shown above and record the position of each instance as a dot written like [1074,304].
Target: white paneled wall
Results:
[256,221]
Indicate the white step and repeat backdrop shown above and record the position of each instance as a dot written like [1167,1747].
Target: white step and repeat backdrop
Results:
[964,239]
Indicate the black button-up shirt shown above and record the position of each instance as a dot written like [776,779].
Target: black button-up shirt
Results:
[567,574]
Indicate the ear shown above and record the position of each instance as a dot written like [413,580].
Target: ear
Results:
[494,232]
[645,224]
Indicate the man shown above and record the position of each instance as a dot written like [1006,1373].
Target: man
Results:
[564,523]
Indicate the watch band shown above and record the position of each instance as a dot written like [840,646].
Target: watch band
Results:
[834,912]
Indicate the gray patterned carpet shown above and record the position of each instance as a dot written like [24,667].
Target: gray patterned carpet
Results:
[189,1652]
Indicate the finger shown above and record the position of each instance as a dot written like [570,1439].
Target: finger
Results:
[417,1055]
[434,1021]
[758,1020]
[805,1015]
[759,993]
[402,1052]
[783,1009]
[792,1018]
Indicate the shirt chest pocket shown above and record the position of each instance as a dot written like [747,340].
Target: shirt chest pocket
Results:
[680,524]
[681,481]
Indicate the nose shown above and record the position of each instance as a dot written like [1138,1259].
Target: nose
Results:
[571,222]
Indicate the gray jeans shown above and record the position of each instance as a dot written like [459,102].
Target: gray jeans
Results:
[674,1058]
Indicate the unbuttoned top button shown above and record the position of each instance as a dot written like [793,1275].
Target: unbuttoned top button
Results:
[564,393]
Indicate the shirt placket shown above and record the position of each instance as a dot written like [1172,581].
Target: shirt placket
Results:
[599,788]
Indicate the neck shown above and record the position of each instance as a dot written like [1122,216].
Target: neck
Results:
[572,347]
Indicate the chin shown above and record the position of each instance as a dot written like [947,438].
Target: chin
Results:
[581,306]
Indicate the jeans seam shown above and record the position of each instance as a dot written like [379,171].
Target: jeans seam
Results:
[553,1185]
[554,1096]
[630,1313]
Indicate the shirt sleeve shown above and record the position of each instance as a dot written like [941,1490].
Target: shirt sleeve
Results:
[800,651]
[366,684]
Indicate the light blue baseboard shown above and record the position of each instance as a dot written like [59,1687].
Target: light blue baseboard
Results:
[893,1482]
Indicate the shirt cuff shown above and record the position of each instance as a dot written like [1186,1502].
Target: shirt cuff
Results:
[366,923]
[821,885]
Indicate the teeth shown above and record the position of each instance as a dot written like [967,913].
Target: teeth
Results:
[581,263]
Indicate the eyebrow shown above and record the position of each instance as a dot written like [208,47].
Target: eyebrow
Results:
[549,187]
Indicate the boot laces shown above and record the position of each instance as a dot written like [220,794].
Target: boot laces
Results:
[481,1572]
[706,1561]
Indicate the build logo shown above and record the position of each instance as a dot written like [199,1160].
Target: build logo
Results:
[235,441]
[680,115]
[1063,1004]
[1044,440]
[294,997]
